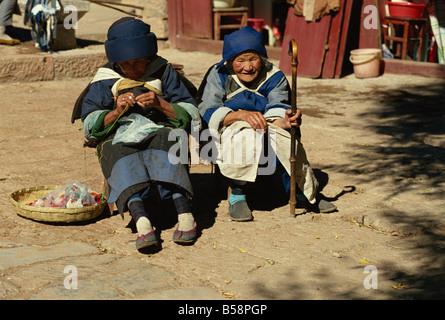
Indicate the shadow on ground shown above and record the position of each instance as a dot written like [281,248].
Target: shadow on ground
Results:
[411,122]
[27,41]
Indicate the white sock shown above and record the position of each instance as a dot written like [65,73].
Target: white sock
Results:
[186,222]
[143,226]
[3,35]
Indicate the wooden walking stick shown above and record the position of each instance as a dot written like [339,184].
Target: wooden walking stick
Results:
[293,51]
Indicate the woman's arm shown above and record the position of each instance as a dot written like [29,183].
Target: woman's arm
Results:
[255,119]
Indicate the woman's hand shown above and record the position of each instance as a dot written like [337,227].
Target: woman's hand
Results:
[123,100]
[121,104]
[254,118]
[145,100]
[289,120]
[152,100]
[148,100]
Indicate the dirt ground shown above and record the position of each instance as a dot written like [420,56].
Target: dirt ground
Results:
[377,148]
[370,142]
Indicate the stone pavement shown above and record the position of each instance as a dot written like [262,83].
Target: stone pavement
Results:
[80,271]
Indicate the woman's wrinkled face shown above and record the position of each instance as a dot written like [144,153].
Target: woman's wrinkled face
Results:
[133,69]
[247,66]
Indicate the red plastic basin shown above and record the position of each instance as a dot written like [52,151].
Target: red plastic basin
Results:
[257,24]
[406,9]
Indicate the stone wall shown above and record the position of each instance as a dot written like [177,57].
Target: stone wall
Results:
[46,67]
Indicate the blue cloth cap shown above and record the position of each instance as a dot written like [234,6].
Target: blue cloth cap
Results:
[239,41]
[128,39]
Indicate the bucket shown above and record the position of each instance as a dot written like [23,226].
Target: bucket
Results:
[406,9]
[366,62]
[223,3]
[257,24]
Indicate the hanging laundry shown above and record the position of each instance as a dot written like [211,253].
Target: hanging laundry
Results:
[437,19]
[314,9]
[41,15]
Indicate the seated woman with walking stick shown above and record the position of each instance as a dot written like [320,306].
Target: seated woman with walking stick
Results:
[244,98]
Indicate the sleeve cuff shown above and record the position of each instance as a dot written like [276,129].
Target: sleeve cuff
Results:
[275,113]
[218,116]
[93,125]
[183,118]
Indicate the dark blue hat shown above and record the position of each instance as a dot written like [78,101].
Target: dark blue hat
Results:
[130,38]
[239,41]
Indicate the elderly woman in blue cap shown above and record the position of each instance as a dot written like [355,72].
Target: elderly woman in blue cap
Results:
[138,91]
[243,94]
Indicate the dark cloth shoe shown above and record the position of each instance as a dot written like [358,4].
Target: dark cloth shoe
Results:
[321,206]
[325,206]
[147,240]
[185,237]
[239,211]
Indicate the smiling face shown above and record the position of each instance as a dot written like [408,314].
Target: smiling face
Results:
[133,69]
[247,66]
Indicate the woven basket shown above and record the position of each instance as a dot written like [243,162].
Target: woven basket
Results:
[21,198]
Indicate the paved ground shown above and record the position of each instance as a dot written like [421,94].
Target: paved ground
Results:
[376,146]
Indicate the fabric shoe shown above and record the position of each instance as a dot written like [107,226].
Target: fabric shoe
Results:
[185,237]
[146,240]
[239,211]
[325,206]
